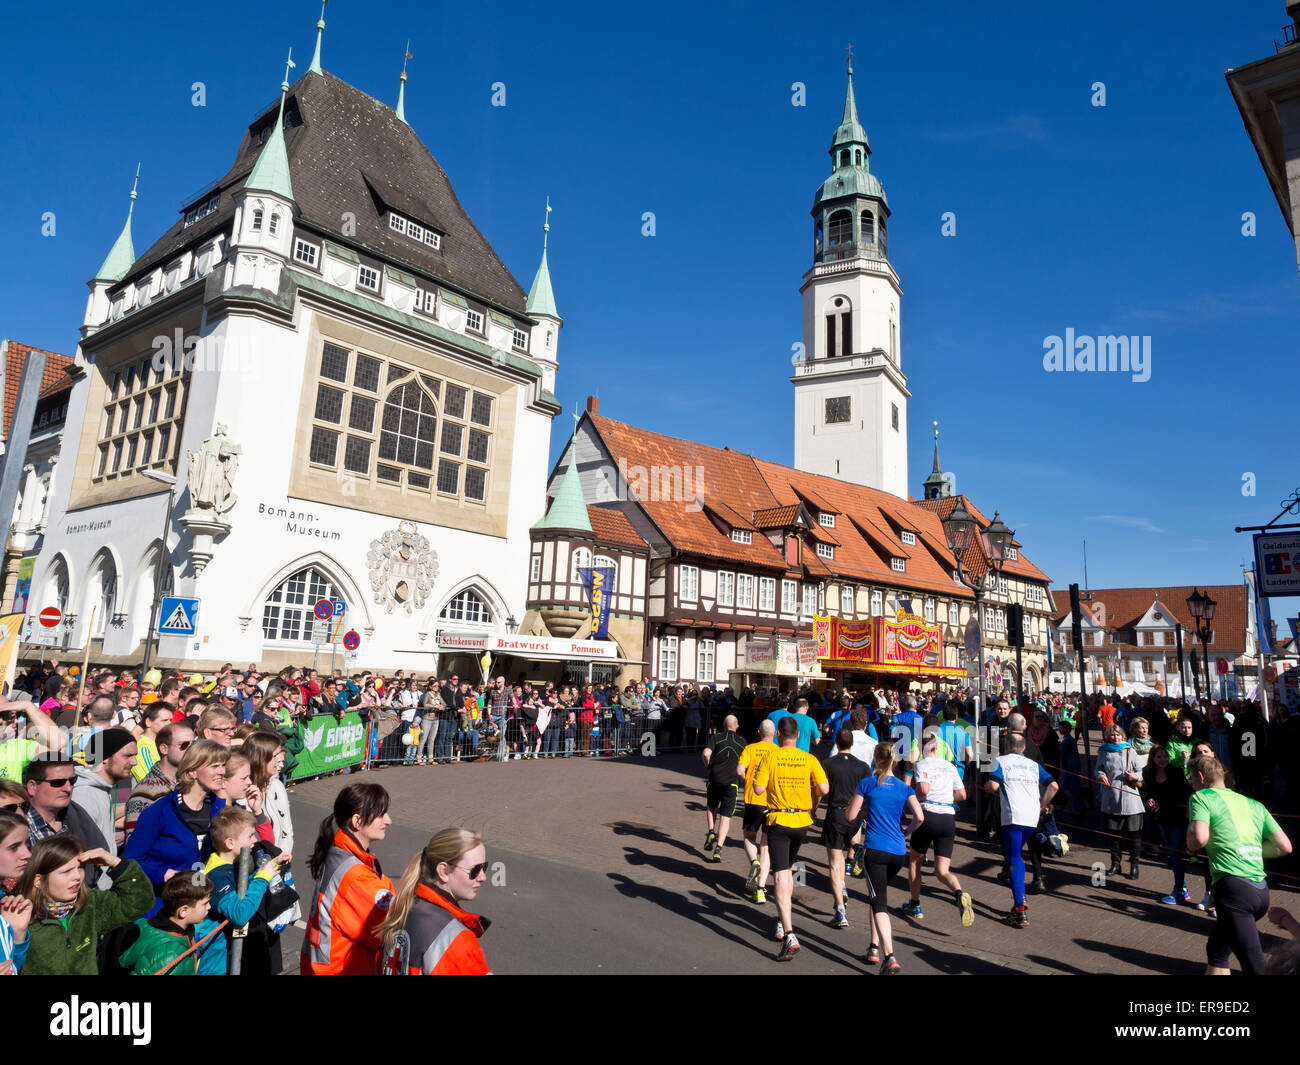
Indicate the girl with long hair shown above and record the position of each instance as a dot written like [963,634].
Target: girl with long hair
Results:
[15,911]
[429,902]
[265,751]
[880,801]
[68,915]
[352,895]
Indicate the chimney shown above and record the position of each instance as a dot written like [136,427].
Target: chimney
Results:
[593,404]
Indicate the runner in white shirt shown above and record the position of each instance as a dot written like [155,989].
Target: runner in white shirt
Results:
[1016,781]
[939,787]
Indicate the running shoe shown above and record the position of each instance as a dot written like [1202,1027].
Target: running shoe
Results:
[760,896]
[912,909]
[967,910]
[841,918]
[1019,917]
[1169,900]
[873,955]
[780,930]
[1183,896]
[1204,904]
[890,966]
[717,855]
[1212,912]
[751,882]
[710,838]
[789,948]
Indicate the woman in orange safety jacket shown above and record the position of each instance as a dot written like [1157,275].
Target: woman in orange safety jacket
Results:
[426,932]
[352,894]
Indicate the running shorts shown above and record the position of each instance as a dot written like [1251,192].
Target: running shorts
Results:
[881,868]
[783,843]
[721,797]
[755,817]
[837,833]
[939,830]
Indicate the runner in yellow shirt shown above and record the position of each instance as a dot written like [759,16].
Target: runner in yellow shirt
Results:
[788,778]
[752,759]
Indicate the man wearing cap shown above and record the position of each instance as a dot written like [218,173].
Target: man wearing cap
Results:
[110,757]
[228,698]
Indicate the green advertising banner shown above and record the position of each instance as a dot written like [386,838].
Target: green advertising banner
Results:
[329,744]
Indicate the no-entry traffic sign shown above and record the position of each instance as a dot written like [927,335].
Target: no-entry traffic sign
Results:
[51,616]
[351,641]
[1221,665]
[323,609]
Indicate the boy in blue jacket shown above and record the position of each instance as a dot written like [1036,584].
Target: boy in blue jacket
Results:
[233,829]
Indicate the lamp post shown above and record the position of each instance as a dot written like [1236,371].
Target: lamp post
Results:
[1202,608]
[959,529]
[170,481]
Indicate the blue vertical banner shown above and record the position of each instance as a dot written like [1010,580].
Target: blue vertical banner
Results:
[599,582]
[1264,621]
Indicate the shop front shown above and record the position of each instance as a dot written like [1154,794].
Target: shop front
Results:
[778,662]
[535,659]
[902,652]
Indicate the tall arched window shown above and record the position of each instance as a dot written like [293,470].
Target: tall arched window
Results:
[274,226]
[581,559]
[58,584]
[880,237]
[844,157]
[868,223]
[408,434]
[287,613]
[839,327]
[841,228]
[467,606]
[257,219]
[105,604]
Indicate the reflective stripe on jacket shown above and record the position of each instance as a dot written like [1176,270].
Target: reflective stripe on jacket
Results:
[444,939]
[352,900]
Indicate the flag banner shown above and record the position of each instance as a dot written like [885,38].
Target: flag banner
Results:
[1264,622]
[599,582]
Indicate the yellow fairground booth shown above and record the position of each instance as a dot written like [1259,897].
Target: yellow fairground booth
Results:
[902,648]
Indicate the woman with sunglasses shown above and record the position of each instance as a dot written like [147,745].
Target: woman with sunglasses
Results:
[169,835]
[15,911]
[420,935]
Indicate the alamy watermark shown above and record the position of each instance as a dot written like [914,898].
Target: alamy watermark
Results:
[212,354]
[668,484]
[1082,354]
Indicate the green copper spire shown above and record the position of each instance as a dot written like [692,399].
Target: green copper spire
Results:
[936,485]
[320,32]
[541,299]
[851,132]
[401,89]
[568,509]
[122,254]
[271,171]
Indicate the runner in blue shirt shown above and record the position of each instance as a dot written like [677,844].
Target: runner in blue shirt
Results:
[881,800]
[1016,780]
[808,729]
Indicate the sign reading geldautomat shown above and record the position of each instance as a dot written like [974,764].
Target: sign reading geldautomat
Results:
[329,744]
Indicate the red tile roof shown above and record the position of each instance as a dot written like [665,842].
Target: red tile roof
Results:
[1122,608]
[612,527]
[977,562]
[775,517]
[16,359]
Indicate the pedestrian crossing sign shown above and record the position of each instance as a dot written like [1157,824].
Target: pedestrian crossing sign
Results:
[178,617]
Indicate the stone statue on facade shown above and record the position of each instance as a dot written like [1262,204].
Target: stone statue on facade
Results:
[212,473]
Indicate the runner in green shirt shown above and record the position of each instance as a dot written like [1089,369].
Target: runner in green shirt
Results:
[1237,834]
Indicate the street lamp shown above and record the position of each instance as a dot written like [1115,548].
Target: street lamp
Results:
[959,529]
[1202,608]
[170,481]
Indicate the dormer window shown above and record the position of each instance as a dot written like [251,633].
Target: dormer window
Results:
[825,551]
[1012,554]
[368,278]
[305,252]
[474,321]
[827,519]
[742,536]
[257,220]
[520,340]
[908,538]
[202,210]
[418,232]
[898,565]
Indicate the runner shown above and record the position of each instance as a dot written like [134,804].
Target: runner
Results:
[845,773]
[1237,834]
[788,778]
[881,799]
[1016,780]
[752,759]
[722,756]
[939,787]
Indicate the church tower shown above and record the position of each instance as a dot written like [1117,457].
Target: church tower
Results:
[850,394]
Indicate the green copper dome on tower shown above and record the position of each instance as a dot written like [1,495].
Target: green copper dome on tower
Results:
[850,131]
[541,298]
[122,254]
[271,171]
[568,509]
[850,173]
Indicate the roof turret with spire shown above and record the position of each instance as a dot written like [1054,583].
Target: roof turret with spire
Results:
[401,88]
[320,32]
[541,298]
[271,171]
[850,172]
[568,509]
[122,254]
[937,486]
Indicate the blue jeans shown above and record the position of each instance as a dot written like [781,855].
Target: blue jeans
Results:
[1175,838]
[468,741]
[446,730]
[570,742]
[551,740]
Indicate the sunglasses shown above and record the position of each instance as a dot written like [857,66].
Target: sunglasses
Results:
[60,782]
[183,746]
[475,871]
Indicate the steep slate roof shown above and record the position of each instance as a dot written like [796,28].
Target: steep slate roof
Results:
[15,360]
[351,154]
[745,491]
[1125,607]
[612,527]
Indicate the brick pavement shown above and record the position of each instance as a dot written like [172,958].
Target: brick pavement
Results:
[644,818]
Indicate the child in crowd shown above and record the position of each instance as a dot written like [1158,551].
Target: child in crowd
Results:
[233,829]
[68,914]
[176,931]
[15,911]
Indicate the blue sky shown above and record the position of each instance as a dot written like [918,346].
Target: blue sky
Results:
[1123,219]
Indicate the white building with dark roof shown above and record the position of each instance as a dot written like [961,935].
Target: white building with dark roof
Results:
[352,392]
